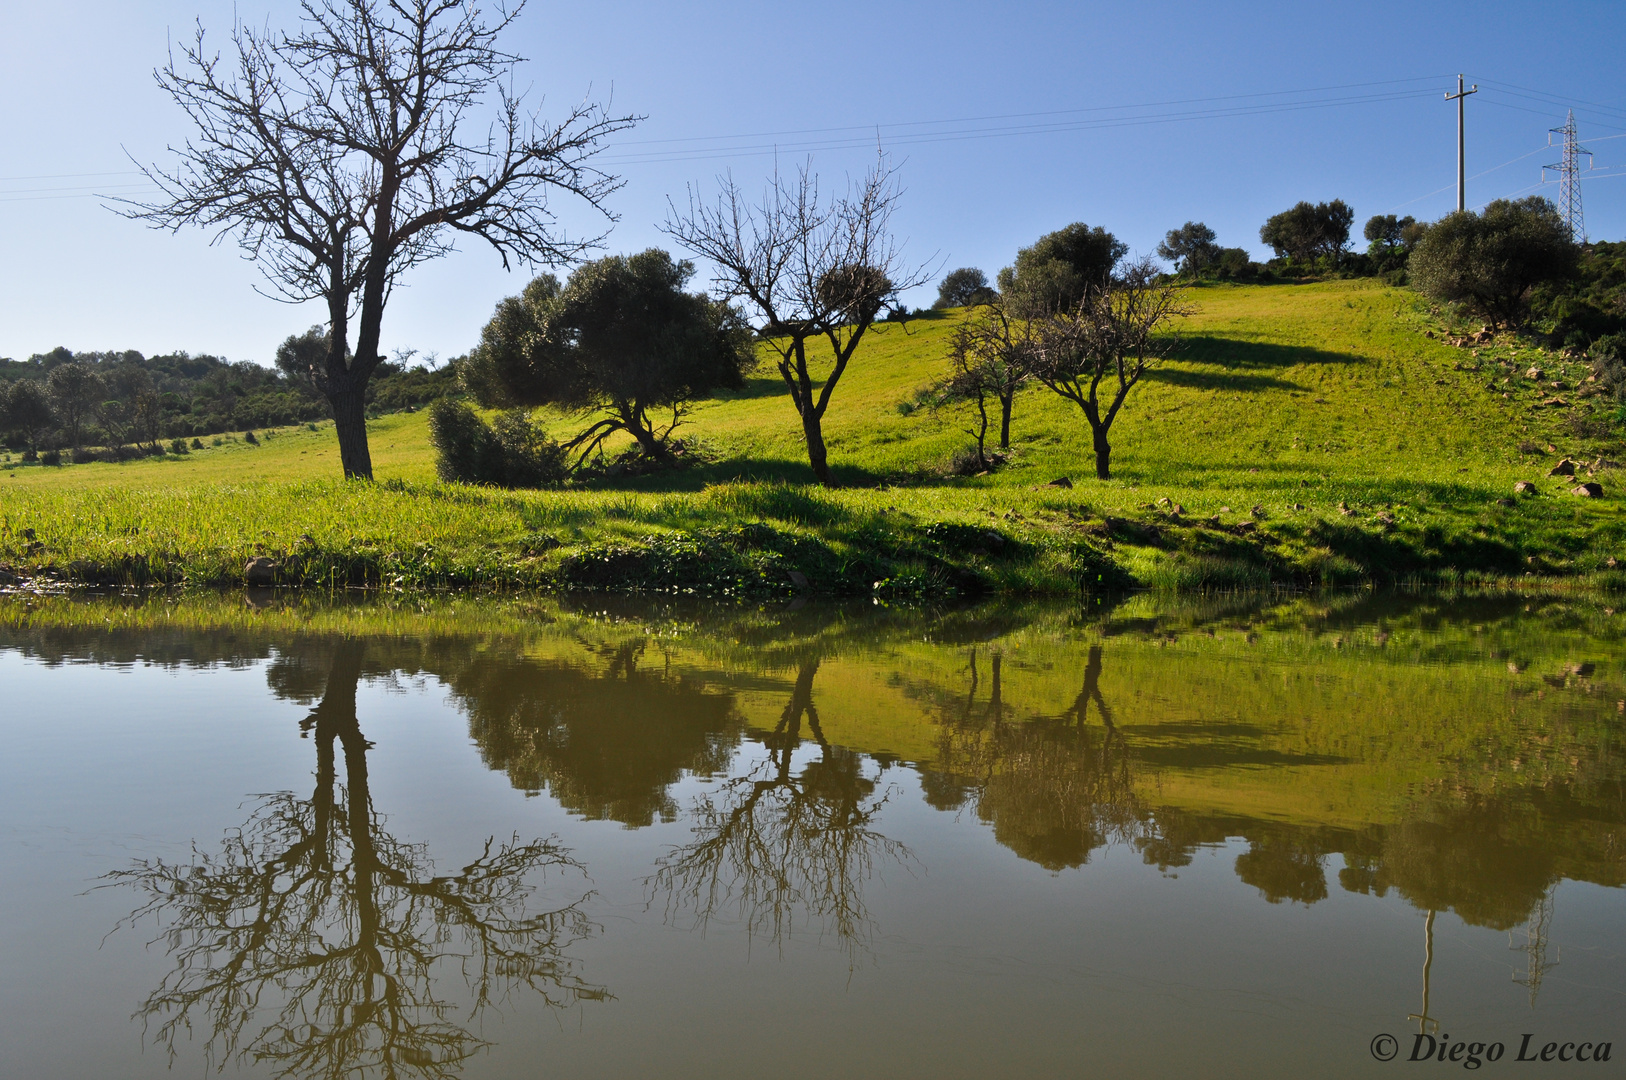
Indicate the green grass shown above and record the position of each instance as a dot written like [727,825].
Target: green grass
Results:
[1304,400]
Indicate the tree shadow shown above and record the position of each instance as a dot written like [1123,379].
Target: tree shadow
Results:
[1234,355]
[310,943]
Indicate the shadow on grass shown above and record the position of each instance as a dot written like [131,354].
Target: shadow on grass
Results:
[1213,380]
[743,470]
[1241,364]
[1236,355]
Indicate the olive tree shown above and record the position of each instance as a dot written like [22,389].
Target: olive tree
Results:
[1190,248]
[621,337]
[360,145]
[963,288]
[1096,353]
[1060,267]
[1489,261]
[813,271]
[1309,230]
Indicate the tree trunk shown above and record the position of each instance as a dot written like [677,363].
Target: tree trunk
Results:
[636,423]
[816,455]
[1005,421]
[350,422]
[1103,453]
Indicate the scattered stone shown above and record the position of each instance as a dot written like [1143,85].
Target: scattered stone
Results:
[1225,509]
[260,572]
[1588,490]
[798,579]
[1534,373]
[1611,562]
[1343,508]
[1582,670]
[1164,501]
[1506,502]
[1320,401]
[1566,467]
[995,541]
[1060,482]
[1246,526]
[1385,519]
[1257,511]
[1177,509]
[1552,402]
[1296,506]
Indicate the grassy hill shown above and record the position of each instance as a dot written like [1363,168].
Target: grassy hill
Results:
[1369,450]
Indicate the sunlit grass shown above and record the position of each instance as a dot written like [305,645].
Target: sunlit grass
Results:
[1322,405]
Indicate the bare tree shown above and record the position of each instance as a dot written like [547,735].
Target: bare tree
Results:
[990,356]
[1095,354]
[338,157]
[811,270]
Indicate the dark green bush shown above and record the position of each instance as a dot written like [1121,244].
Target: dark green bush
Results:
[511,453]
[51,457]
[178,446]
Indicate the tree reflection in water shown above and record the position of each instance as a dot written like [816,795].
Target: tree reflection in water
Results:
[778,847]
[311,941]
[1053,789]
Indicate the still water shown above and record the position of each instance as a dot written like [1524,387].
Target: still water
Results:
[524,839]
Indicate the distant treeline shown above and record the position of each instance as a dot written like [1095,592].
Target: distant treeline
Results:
[63,399]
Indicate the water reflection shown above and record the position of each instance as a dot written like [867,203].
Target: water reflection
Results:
[316,943]
[778,847]
[1465,758]
[608,740]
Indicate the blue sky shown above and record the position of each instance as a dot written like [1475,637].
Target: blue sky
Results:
[1008,120]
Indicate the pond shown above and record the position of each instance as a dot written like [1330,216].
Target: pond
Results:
[1263,836]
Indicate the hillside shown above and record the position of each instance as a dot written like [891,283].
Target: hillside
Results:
[1325,405]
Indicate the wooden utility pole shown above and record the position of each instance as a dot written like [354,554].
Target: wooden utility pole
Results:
[1462,180]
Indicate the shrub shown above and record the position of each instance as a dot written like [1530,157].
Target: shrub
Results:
[178,446]
[31,454]
[511,453]
[81,455]
[51,457]
[248,437]
[1490,262]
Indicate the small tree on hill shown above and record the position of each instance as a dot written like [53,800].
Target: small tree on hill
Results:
[990,358]
[963,288]
[1191,248]
[1309,231]
[621,336]
[813,270]
[1056,272]
[1096,353]
[1489,261]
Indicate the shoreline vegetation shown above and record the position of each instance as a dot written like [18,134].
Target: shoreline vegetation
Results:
[1333,434]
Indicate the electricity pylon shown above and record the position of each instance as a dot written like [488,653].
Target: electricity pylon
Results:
[1569,178]
[1462,172]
